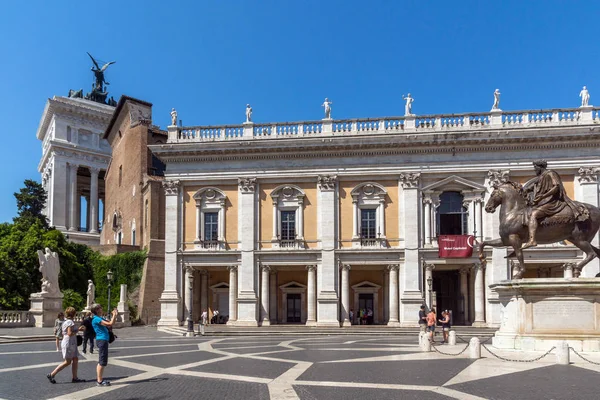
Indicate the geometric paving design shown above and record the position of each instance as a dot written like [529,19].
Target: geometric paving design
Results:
[147,364]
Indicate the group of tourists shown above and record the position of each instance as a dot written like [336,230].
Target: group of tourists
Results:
[428,321]
[92,326]
[364,317]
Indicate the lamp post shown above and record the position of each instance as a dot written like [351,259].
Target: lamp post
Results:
[109,278]
[429,284]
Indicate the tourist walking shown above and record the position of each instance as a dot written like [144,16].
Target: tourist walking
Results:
[445,321]
[69,348]
[431,325]
[101,326]
[88,333]
[58,329]
[203,321]
[422,319]
[351,316]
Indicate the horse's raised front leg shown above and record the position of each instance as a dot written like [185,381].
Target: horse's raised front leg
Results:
[493,243]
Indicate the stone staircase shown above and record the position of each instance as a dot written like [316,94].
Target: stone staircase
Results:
[301,330]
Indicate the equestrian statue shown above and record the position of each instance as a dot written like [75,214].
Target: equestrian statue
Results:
[541,212]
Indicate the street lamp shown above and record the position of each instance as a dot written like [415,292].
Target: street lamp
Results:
[109,278]
[429,284]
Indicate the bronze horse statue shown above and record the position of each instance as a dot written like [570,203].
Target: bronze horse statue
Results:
[513,227]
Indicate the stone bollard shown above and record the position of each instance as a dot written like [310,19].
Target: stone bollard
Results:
[562,353]
[475,348]
[420,339]
[452,338]
[425,343]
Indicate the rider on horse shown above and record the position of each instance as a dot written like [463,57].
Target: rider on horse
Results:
[549,198]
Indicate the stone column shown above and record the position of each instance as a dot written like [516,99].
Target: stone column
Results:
[58,213]
[300,232]
[87,213]
[73,196]
[346,295]
[232,294]
[394,306]
[464,291]
[264,296]
[328,284]
[311,319]
[247,296]
[170,300]
[427,220]
[94,172]
[386,296]
[478,219]
[273,296]
[479,270]
[275,218]
[189,295]
[435,203]
[411,274]
[429,278]
[588,183]
[123,307]
[204,291]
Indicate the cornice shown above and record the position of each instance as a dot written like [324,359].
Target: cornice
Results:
[391,146]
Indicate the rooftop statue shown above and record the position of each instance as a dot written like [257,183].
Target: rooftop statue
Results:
[173,117]
[248,113]
[408,106]
[541,212]
[496,105]
[99,73]
[585,97]
[327,104]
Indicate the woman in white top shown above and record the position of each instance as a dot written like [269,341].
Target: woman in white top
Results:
[69,347]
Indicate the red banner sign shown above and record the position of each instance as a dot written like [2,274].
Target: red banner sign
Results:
[455,246]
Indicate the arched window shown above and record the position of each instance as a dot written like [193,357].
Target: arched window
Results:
[452,216]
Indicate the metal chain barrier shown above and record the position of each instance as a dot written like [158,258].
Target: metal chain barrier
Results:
[515,360]
[582,357]
[449,354]
[466,341]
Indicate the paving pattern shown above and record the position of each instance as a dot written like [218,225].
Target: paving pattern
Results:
[146,364]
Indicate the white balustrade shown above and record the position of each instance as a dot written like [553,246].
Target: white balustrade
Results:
[422,124]
[15,319]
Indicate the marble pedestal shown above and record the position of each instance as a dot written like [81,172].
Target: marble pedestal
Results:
[45,308]
[539,313]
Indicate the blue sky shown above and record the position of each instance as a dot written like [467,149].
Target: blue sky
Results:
[209,58]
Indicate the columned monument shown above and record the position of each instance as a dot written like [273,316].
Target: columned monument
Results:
[536,313]
[46,304]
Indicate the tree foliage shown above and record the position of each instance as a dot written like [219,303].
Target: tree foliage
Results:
[31,200]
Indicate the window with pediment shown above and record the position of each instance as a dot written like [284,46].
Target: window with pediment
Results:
[452,215]
[288,217]
[368,227]
[210,218]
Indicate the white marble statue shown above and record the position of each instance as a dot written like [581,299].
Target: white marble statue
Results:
[50,268]
[408,106]
[496,105]
[585,97]
[248,113]
[173,117]
[91,295]
[327,104]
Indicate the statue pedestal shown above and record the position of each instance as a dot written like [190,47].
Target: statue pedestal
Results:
[45,308]
[538,313]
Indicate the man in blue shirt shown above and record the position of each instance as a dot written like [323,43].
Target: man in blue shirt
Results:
[101,326]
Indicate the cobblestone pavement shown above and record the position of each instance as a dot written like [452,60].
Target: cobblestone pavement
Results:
[146,364]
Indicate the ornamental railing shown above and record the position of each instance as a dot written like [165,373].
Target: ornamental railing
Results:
[15,319]
[441,123]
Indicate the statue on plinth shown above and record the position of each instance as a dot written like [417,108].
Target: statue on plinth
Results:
[91,295]
[327,104]
[408,106]
[496,105]
[585,97]
[173,117]
[541,212]
[248,113]
[50,268]
[99,73]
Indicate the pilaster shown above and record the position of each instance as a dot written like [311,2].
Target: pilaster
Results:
[588,183]
[248,310]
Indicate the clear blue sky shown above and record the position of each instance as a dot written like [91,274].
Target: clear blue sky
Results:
[209,58]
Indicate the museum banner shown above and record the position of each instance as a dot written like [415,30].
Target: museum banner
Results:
[455,246]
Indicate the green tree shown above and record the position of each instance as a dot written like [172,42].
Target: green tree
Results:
[31,201]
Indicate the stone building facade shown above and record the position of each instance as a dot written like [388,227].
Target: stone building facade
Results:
[74,160]
[303,222]
[134,216]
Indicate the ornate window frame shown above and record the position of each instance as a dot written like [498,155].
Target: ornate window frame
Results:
[368,195]
[288,198]
[210,199]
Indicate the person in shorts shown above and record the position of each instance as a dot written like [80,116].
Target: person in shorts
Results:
[58,329]
[422,319]
[101,326]
[68,347]
[445,321]
[431,325]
